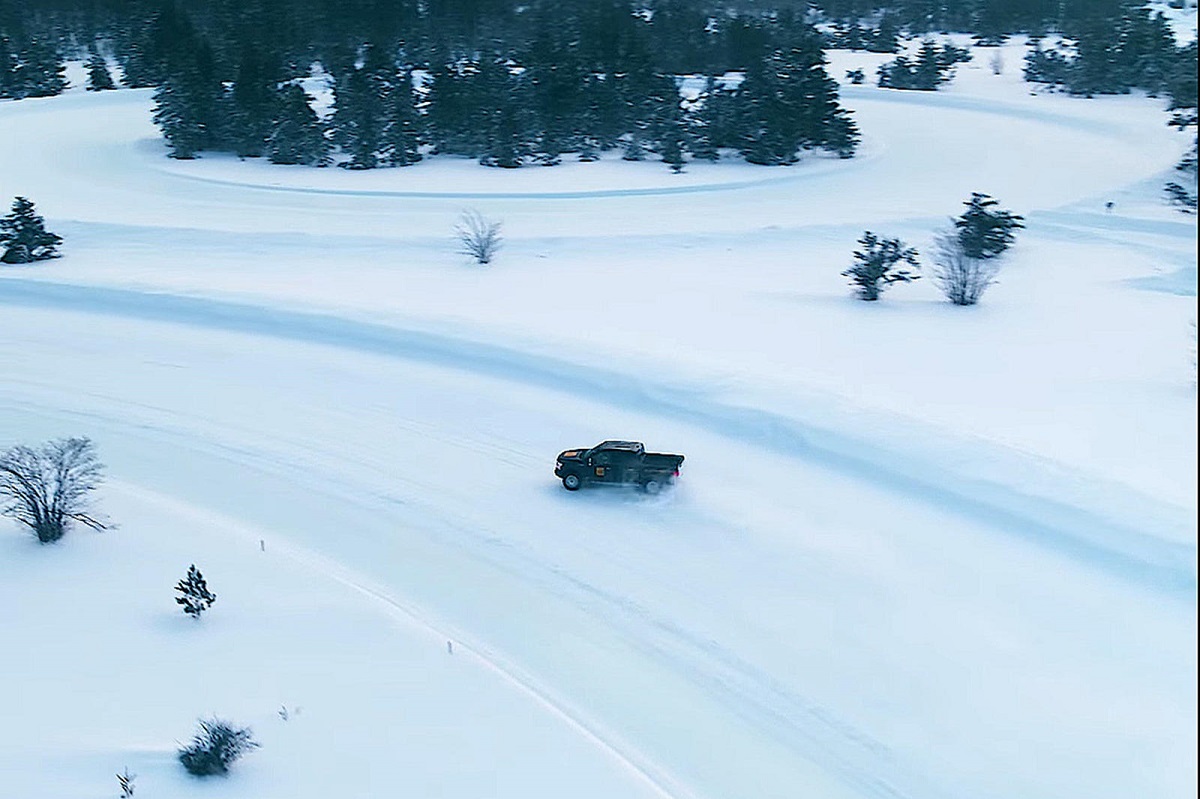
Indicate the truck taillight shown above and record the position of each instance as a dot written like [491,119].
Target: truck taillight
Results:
[676,472]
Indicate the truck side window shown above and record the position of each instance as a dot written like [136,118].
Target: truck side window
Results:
[603,458]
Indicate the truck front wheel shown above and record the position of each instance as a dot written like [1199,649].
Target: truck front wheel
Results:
[571,482]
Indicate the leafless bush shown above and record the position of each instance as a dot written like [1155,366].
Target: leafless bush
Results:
[216,747]
[478,236]
[46,489]
[960,277]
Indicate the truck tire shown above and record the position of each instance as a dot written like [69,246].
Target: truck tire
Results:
[572,482]
[652,486]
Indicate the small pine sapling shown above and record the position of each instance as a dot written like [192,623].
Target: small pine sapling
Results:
[984,230]
[875,265]
[215,747]
[125,781]
[23,235]
[194,594]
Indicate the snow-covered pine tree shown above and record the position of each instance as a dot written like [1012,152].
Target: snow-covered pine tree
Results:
[8,68]
[504,100]
[176,117]
[23,235]
[194,596]
[251,105]
[927,71]
[297,136]
[875,265]
[404,127]
[788,102]
[99,79]
[41,71]
[361,95]
[885,38]
[984,230]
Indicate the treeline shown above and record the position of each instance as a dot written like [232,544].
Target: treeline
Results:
[514,83]
[989,20]
[504,108]
[509,84]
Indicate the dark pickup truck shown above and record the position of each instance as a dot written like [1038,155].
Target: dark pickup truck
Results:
[617,463]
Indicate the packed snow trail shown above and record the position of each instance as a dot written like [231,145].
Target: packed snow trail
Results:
[762,629]
[104,174]
[953,593]
[1130,535]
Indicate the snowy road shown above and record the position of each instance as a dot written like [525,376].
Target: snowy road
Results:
[913,554]
[770,624]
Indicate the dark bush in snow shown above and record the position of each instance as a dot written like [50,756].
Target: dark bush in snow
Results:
[875,265]
[48,488]
[23,235]
[216,747]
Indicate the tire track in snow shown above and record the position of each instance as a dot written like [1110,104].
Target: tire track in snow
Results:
[1130,536]
[851,756]
[605,740]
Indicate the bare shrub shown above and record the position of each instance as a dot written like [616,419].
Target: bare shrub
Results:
[960,277]
[216,746]
[47,489]
[478,236]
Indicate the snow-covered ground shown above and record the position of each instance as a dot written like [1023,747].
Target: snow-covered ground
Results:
[917,550]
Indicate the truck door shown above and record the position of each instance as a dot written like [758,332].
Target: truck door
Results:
[630,465]
[603,470]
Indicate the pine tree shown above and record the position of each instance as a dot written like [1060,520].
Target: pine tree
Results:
[23,235]
[875,263]
[788,102]
[41,71]
[189,104]
[194,596]
[8,69]
[507,113]
[297,136]
[404,129]
[670,129]
[927,71]
[251,105]
[362,104]
[983,230]
[176,117]
[886,38]
[99,79]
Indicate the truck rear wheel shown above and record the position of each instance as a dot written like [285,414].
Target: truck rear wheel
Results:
[571,482]
[652,486]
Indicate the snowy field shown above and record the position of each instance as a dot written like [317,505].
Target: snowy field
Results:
[916,550]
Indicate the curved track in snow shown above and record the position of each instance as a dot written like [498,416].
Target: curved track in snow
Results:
[1134,537]
[820,608]
[626,587]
